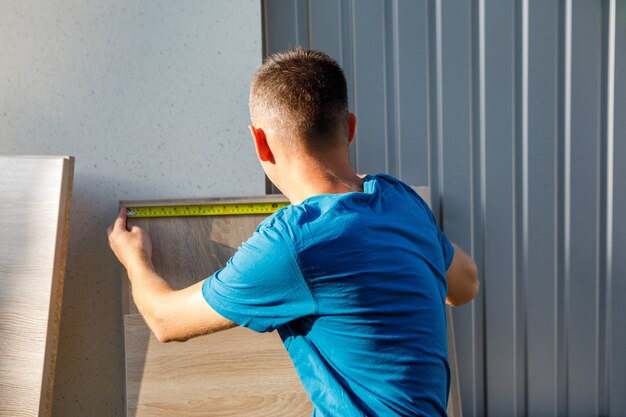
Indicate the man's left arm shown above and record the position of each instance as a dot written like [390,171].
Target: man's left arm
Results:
[170,314]
[462,277]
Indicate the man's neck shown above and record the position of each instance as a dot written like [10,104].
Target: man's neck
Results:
[309,177]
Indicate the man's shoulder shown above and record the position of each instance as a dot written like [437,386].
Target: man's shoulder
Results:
[395,191]
[282,217]
[286,222]
[383,194]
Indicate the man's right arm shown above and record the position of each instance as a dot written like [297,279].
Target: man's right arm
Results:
[462,278]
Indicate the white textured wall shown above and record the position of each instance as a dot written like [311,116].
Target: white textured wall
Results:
[151,99]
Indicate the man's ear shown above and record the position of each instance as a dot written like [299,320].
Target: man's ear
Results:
[351,127]
[263,150]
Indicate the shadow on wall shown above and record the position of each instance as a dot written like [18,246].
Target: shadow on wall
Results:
[90,358]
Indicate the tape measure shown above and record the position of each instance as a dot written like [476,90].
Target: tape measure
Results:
[225,209]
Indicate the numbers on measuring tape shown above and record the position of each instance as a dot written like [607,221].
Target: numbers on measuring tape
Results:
[228,209]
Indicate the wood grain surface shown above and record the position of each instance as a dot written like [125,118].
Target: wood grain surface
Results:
[34,208]
[235,372]
[186,250]
[232,373]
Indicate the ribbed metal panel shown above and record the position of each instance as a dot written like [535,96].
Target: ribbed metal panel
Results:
[514,112]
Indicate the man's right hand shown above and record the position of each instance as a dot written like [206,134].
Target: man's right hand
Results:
[130,246]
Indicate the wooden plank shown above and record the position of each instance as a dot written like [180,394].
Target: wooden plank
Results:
[34,211]
[186,250]
[235,372]
[454,397]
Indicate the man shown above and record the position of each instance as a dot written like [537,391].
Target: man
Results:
[354,275]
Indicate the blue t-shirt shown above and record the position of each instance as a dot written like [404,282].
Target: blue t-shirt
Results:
[355,285]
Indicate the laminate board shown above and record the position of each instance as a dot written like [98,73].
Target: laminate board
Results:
[235,372]
[454,397]
[231,373]
[34,211]
[186,250]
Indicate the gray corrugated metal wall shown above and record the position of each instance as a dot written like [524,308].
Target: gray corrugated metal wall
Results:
[514,112]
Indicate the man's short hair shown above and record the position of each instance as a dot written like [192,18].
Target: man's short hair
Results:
[304,92]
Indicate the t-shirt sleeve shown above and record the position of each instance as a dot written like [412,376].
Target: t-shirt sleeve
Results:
[446,248]
[261,286]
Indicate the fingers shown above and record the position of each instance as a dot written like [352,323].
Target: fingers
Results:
[120,222]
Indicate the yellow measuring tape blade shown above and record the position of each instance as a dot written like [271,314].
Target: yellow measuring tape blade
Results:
[225,209]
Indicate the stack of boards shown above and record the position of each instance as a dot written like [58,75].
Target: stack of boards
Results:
[236,372]
[34,210]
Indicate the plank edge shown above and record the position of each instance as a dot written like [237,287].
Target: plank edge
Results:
[58,278]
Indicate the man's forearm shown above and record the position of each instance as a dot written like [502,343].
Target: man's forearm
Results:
[150,292]
[170,314]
